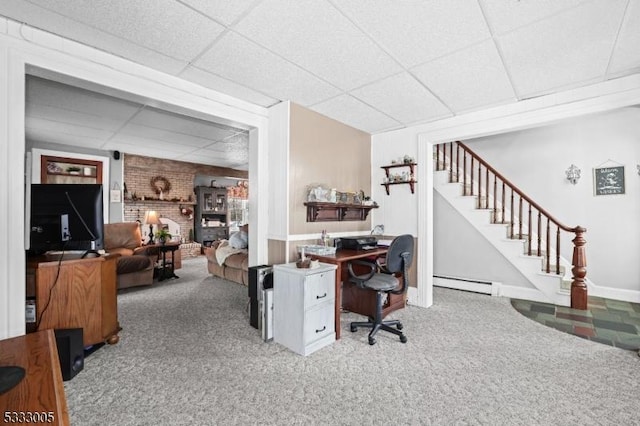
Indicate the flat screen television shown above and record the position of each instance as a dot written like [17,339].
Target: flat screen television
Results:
[66,217]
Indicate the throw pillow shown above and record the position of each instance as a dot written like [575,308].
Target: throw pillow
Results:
[239,240]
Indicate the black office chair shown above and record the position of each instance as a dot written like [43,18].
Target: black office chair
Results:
[398,259]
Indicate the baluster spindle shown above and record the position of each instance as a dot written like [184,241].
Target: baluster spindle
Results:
[558,251]
[464,173]
[539,233]
[450,161]
[495,198]
[457,163]
[512,213]
[503,203]
[520,218]
[529,233]
[471,176]
[548,250]
[479,185]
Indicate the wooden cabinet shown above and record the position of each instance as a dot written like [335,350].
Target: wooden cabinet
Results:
[210,215]
[40,394]
[75,293]
[407,177]
[69,170]
[304,307]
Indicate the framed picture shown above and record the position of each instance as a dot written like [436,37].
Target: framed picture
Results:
[115,196]
[608,180]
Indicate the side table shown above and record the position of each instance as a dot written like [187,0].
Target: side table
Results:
[166,269]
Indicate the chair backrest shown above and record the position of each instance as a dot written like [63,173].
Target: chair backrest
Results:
[400,244]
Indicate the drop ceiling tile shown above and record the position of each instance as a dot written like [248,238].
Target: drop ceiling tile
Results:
[47,93]
[468,79]
[151,133]
[72,129]
[403,98]
[355,113]
[627,50]
[165,26]
[503,16]
[238,59]
[151,143]
[316,36]
[227,86]
[48,135]
[53,114]
[223,11]
[418,31]
[181,124]
[568,49]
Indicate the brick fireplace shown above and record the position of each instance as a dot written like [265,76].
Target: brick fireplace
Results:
[179,176]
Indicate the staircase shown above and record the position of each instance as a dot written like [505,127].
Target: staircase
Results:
[523,232]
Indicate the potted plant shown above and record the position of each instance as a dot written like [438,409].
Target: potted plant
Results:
[163,235]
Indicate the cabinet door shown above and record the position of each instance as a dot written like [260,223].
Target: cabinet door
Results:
[206,201]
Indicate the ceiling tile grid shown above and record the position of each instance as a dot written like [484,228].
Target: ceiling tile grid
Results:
[234,57]
[376,65]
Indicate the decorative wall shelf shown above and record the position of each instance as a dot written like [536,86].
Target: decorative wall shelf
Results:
[411,182]
[335,212]
[153,200]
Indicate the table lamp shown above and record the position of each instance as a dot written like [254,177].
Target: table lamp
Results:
[151,218]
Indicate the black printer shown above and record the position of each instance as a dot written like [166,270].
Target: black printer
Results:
[358,243]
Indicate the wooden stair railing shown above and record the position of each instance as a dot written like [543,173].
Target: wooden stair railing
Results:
[495,186]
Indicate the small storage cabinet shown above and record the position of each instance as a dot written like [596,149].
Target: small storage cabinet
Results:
[210,218]
[304,307]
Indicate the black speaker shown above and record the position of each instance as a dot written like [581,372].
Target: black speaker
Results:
[116,155]
[70,351]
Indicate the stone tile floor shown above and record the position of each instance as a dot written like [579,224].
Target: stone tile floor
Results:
[607,321]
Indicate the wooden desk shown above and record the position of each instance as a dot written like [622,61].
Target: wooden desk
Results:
[41,392]
[349,296]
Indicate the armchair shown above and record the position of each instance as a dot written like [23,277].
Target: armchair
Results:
[398,260]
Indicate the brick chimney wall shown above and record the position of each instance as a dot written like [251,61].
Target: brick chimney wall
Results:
[138,174]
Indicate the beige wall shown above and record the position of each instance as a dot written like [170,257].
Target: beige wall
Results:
[325,151]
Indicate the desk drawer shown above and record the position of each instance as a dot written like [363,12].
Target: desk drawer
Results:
[319,322]
[319,288]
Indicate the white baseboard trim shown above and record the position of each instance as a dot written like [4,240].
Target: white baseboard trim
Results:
[614,293]
[524,293]
[484,287]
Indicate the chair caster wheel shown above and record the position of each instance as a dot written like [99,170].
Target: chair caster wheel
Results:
[353,328]
[403,339]
[399,326]
[372,341]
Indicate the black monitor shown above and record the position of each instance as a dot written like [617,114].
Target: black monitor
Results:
[66,217]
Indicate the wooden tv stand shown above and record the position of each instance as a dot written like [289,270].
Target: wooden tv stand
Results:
[84,295]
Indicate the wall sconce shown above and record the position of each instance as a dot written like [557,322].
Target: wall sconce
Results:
[638,167]
[573,174]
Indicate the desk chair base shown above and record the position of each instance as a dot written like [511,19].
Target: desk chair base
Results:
[376,324]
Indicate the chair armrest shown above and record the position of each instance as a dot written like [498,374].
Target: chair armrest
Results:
[140,250]
[359,279]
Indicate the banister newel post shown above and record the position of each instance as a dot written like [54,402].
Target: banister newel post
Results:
[579,270]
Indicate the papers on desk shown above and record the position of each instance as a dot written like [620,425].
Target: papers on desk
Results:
[384,243]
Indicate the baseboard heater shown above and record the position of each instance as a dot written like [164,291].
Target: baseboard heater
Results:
[464,284]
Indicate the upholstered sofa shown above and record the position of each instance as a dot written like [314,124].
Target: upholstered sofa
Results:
[134,267]
[234,267]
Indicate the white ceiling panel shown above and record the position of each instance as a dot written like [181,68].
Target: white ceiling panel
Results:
[36,131]
[165,26]
[227,86]
[403,98]
[626,55]
[223,11]
[314,35]
[375,65]
[570,48]
[417,31]
[468,79]
[235,57]
[181,125]
[75,100]
[355,113]
[503,16]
